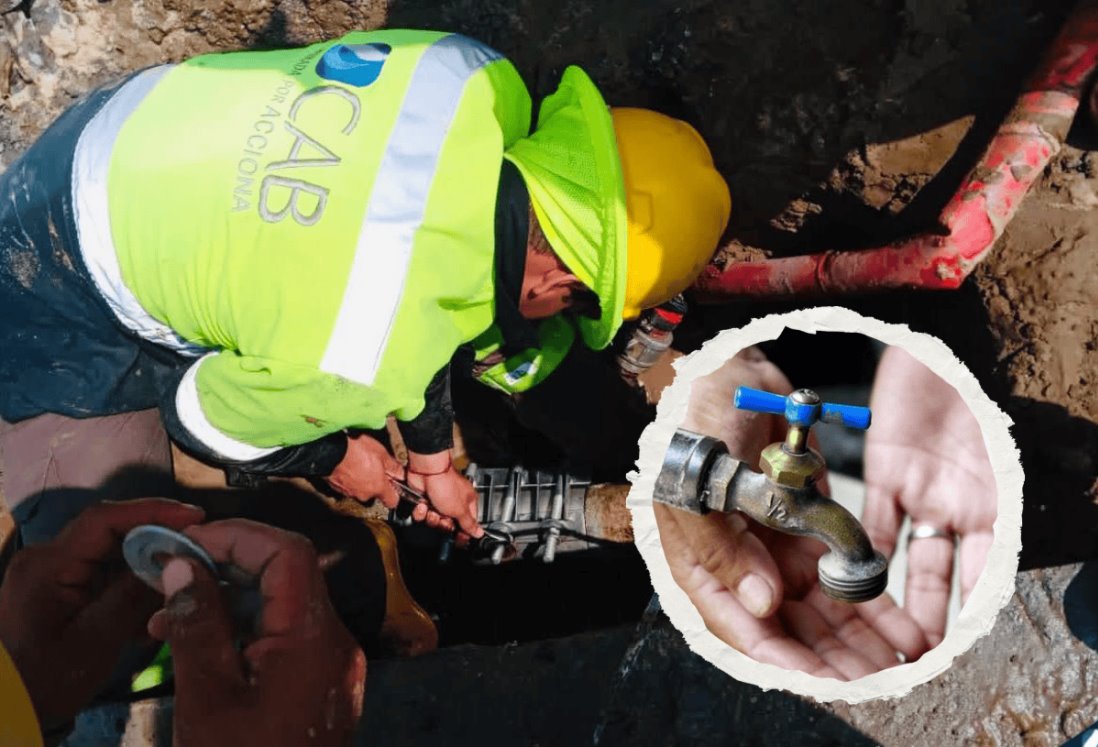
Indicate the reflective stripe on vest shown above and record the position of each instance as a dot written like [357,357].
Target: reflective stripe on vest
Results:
[189,409]
[396,209]
[325,216]
[93,224]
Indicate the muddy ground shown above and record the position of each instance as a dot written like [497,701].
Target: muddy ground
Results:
[636,686]
[838,124]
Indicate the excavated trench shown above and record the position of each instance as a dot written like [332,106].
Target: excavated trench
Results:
[838,125]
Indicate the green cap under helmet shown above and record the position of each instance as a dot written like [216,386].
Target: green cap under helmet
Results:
[573,173]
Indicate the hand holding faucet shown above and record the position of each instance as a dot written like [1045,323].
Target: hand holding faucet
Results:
[756,588]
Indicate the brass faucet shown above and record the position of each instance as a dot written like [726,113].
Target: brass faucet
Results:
[699,475]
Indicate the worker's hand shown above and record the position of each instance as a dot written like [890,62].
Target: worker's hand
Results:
[757,589]
[807,631]
[298,681]
[365,472]
[451,494]
[925,457]
[67,607]
[709,553]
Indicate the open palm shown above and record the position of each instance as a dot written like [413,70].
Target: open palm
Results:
[807,631]
[927,462]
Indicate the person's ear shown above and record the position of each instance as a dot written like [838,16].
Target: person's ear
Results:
[546,293]
[556,281]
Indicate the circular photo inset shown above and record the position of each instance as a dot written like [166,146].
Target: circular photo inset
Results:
[828,504]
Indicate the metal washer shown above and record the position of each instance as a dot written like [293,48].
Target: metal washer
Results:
[144,546]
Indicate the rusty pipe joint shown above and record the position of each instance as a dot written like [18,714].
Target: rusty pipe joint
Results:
[699,475]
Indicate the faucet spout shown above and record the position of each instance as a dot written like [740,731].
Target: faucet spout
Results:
[699,475]
[852,571]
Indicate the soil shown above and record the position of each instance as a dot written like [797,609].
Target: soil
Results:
[837,125]
[640,685]
[1030,682]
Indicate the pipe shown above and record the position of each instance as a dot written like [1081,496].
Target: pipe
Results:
[1032,133]
[605,514]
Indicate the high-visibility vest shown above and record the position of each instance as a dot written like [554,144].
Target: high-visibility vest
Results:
[316,225]
[521,370]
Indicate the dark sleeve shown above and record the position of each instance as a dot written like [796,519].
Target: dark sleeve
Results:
[432,430]
[314,459]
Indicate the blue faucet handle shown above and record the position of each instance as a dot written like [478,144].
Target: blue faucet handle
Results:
[802,408]
[757,400]
[851,416]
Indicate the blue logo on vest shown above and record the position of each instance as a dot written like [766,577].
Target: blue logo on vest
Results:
[354,64]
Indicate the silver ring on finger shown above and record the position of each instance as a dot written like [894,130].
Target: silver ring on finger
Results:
[929,531]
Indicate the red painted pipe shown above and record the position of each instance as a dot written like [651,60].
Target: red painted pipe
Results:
[1032,133]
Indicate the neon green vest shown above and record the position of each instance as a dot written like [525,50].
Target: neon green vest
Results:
[523,370]
[323,216]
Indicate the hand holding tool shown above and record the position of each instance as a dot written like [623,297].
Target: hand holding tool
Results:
[410,498]
[148,548]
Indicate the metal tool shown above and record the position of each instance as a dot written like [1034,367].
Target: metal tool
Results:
[489,543]
[409,499]
[698,475]
[148,548]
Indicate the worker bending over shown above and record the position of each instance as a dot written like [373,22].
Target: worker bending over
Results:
[279,250]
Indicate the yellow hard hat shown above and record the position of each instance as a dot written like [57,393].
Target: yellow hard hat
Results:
[676,201]
[628,199]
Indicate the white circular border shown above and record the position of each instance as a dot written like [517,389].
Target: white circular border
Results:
[994,587]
